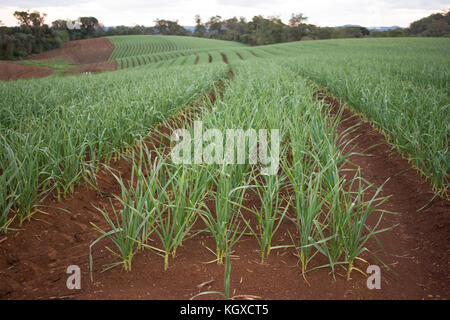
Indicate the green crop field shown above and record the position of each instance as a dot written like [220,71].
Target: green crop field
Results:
[63,120]
[133,51]
[55,134]
[400,85]
[399,90]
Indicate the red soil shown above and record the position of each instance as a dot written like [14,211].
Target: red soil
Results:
[224,57]
[80,51]
[91,55]
[15,71]
[418,248]
[33,261]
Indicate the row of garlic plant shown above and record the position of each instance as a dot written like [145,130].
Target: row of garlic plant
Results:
[55,131]
[402,86]
[329,209]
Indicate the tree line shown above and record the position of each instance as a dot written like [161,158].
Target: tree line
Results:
[34,36]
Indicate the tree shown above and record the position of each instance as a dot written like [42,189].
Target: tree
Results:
[438,28]
[297,19]
[37,20]
[266,31]
[296,28]
[350,32]
[6,43]
[59,24]
[215,26]
[167,27]
[435,25]
[378,34]
[364,32]
[200,30]
[31,23]
[33,20]
[88,26]
[23,17]
[398,32]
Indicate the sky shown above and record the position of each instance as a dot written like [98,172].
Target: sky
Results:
[367,13]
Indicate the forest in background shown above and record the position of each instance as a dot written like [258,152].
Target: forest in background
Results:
[33,35]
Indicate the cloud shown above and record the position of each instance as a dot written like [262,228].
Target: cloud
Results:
[245,3]
[134,4]
[31,4]
[419,4]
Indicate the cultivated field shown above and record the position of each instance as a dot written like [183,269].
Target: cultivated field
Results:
[362,172]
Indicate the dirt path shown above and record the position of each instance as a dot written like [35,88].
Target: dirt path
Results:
[33,262]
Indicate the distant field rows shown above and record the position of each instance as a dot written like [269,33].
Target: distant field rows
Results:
[135,51]
[126,46]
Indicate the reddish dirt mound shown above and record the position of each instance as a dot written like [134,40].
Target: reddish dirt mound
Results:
[91,55]
[14,71]
[80,51]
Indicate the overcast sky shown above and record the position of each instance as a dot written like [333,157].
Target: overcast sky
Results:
[367,13]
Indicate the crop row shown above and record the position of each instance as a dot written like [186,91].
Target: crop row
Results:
[185,57]
[405,93]
[329,211]
[126,46]
[55,131]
